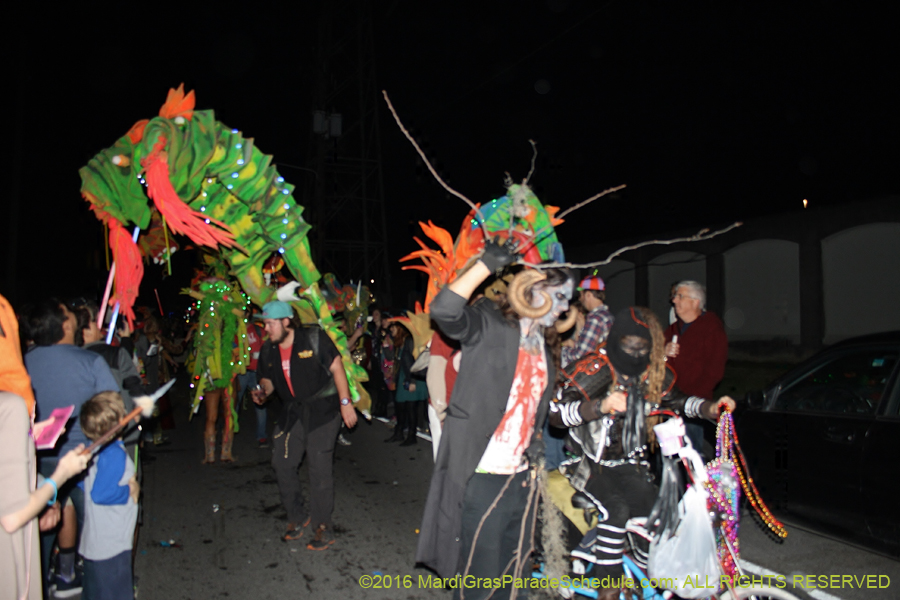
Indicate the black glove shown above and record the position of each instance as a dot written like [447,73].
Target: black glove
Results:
[497,256]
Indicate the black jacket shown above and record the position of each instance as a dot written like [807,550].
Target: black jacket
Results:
[490,349]
[601,437]
[316,401]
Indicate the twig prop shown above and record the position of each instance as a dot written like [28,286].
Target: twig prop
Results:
[519,558]
[533,159]
[552,531]
[159,302]
[507,183]
[145,408]
[480,525]
[537,236]
[703,234]
[589,200]
[471,204]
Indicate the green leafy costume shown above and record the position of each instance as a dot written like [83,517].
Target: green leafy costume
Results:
[220,341]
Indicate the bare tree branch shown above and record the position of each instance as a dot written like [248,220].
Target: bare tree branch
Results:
[535,239]
[589,200]
[703,234]
[533,159]
[431,168]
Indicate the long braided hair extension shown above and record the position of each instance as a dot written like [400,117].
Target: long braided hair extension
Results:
[656,372]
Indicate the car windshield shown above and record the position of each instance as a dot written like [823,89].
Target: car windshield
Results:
[853,383]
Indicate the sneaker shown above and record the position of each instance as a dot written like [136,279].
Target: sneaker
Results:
[323,539]
[343,441]
[263,442]
[65,589]
[295,531]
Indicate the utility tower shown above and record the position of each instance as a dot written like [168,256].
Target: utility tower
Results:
[349,236]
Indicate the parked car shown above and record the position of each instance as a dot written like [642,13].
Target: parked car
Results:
[823,442]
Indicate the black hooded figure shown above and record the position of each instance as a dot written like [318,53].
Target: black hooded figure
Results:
[605,401]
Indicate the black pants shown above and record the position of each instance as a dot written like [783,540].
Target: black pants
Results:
[381,395]
[408,416]
[623,492]
[288,450]
[495,548]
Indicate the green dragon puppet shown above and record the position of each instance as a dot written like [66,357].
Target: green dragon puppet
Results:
[213,185]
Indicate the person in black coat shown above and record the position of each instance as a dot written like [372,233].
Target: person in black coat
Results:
[481,501]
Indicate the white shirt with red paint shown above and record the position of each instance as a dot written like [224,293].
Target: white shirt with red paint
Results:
[503,455]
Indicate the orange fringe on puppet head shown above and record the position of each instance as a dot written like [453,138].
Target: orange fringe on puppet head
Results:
[129,268]
[180,218]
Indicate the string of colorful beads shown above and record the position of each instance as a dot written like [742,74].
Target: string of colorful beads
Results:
[724,496]
[752,493]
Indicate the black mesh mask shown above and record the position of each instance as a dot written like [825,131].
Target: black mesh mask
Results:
[629,343]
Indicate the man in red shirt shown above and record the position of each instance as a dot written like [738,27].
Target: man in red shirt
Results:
[696,347]
[304,367]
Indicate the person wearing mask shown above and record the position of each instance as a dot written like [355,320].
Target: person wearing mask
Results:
[480,503]
[619,386]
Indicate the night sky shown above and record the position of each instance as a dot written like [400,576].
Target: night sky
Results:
[709,112]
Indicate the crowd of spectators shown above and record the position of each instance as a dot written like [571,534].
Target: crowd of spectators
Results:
[82,506]
[86,512]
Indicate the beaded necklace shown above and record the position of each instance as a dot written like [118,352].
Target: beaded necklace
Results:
[749,487]
[725,472]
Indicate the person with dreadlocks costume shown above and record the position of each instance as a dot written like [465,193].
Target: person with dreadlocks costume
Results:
[606,401]
[479,514]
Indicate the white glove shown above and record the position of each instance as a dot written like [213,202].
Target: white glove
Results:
[288,292]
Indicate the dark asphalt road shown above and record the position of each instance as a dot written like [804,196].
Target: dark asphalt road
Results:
[236,552]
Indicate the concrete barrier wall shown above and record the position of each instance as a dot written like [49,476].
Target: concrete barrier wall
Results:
[762,291]
[861,281]
[801,280]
